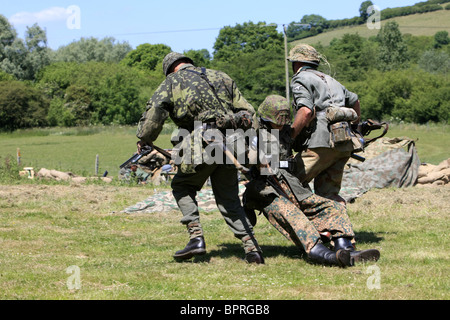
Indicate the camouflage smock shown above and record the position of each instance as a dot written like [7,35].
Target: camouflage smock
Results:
[318,91]
[186,97]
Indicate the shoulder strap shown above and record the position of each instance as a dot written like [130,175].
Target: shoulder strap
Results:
[204,77]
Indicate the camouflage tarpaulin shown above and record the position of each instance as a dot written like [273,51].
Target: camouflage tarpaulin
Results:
[164,201]
[394,168]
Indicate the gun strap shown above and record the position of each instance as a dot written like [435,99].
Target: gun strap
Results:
[213,89]
[376,125]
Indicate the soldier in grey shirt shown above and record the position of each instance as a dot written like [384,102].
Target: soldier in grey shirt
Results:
[314,92]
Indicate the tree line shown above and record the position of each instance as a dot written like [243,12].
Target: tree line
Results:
[100,81]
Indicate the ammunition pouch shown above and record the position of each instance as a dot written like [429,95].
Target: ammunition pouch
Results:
[340,130]
[340,133]
[239,120]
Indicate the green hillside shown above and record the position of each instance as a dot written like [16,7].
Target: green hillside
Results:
[422,24]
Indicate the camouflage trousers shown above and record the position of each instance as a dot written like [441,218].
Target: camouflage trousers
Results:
[324,165]
[224,182]
[303,222]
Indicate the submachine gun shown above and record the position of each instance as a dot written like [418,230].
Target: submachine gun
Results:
[145,150]
[363,129]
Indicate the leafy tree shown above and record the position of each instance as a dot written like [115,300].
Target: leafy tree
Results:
[146,56]
[94,93]
[257,74]
[351,56]
[92,49]
[200,57]
[392,50]
[246,38]
[435,61]
[363,10]
[441,39]
[23,59]
[38,55]
[21,106]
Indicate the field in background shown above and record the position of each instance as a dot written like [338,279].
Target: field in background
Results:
[425,24]
[75,149]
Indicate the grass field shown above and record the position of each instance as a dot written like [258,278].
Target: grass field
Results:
[49,229]
[425,24]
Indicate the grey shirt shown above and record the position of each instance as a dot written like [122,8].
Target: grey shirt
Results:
[318,91]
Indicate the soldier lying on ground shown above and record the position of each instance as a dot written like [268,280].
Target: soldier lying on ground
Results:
[306,219]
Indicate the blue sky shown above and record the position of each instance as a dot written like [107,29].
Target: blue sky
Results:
[182,25]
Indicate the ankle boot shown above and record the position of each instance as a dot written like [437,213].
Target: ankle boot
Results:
[322,255]
[196,246]
[254,257]
[358,256]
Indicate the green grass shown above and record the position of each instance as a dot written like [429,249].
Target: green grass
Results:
[46,229]
[425,24]
[431,140]
[75,149]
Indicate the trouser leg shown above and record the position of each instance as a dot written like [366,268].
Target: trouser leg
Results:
[225,186]
[327,216]
[288,219]
[326,167]
[184,190]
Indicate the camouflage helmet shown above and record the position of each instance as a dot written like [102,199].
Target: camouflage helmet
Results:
[275,109]
[171,58]
[304,53]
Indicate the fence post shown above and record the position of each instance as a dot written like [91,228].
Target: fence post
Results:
[96,165]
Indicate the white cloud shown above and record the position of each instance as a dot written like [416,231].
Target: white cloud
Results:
[49,14]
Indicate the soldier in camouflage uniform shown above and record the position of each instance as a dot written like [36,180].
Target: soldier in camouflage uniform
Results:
[308,220]
[315,93]
[190,95]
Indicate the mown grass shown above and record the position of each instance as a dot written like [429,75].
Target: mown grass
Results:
[47,227]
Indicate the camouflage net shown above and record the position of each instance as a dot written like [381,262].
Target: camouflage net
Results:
[164,201]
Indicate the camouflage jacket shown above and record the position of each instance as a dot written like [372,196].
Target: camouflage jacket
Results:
[318,91]
[187,97]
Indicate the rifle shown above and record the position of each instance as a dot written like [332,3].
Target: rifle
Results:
[136,157]
[364,129]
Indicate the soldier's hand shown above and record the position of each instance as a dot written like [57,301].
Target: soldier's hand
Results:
[140,144]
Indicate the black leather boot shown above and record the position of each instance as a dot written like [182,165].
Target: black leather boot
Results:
[195,247]
[322,255]
[254,257]
[358,256]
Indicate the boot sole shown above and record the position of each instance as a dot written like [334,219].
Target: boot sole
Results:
[344,259]
[190,254]
[366,255]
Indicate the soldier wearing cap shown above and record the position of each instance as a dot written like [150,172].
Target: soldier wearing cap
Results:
[308,220]
[315,94]
[189,95]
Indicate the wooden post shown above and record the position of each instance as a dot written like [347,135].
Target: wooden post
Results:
[18,156]
[96,165]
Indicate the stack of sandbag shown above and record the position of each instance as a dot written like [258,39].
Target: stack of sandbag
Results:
[66,176]
[434,175]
